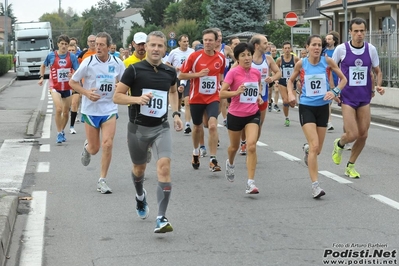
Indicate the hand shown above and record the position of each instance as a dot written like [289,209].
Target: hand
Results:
[178,124]
[241,89]
[268,80]
[145,98]
[203,72]
[380,90]
[180,88]
[260,100]
[329,96]
[291,99]
[40,82]
[92,95]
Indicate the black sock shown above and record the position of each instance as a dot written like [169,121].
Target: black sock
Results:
[73,118]
[339,144]
[138,184]
[348,164]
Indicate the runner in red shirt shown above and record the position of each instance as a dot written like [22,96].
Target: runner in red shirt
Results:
[205,69]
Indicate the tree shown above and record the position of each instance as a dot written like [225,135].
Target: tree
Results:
[87,30]
[172,13]
[153,11]
[103,17]
[136,3]
[136,28]
[237,16]
[58,25]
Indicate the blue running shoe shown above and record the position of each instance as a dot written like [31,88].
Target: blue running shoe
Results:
[60,138]
[63,136]
[163,225]
[142,207]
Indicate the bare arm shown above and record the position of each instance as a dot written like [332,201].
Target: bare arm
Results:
[121,97]
[290,84]
[334,67]
[274,68]
[379,87]
[42,70]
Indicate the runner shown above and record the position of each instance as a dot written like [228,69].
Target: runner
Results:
[359,61]
[151,84]
[61,63]
[314,103]
[286,62]
[139,53]
[205,69]
[100,73]
[274,86]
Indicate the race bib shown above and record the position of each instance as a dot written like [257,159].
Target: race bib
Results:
[62,74]
[105,85]
[315,85]
[158,104]
[287,72]
[358,75]
[250,95]
[208,85]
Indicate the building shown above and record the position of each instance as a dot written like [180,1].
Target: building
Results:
[126,19]
[279,8]
[9,29]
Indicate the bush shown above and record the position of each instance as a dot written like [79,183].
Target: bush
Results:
[5,63]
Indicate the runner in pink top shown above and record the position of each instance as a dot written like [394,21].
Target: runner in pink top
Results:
[243,85]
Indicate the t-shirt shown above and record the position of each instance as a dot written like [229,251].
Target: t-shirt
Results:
[85,54]
[142,78]
[133,59]
[245,104]
[177,57]
[103,76]
[204,90]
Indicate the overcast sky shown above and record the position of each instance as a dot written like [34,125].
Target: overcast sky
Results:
[32,10]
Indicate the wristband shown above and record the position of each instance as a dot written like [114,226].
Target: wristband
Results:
[40,77]
[175,113]
[336,91]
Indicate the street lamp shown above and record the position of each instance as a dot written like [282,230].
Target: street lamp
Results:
[5,28]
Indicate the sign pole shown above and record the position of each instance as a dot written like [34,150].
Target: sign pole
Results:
[292,37]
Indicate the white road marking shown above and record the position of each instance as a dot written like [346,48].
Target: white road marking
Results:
[49,106]
[49,111]
[261,144]
[287,156]
[385,200]
[45,148]
[44,91]
[14,156]
[47,127]
[335,177]
[32,245]
[43,167]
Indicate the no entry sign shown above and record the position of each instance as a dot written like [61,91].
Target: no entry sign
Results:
[291,19]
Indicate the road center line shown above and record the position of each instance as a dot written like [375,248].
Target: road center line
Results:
[287,156]
[335,177]
[385,200]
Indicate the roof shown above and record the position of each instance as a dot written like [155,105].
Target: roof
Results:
[243,34]
[2,24]
[128,12]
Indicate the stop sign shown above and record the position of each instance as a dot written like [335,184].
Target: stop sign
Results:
[291,19]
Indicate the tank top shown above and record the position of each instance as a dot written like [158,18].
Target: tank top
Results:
[59,72]
[287,67]
[264,73]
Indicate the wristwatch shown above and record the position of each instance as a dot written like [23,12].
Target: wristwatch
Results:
[175,113]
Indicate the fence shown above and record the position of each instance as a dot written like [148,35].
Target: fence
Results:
[387,48]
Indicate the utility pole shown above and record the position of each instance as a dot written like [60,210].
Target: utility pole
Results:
[5,28]
[59,7]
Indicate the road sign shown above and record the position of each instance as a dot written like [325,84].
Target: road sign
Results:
[291,19]
[172,35]
[301,30]
[172,43]
[388,24]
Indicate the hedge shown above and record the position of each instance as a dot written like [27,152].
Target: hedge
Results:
[5,63]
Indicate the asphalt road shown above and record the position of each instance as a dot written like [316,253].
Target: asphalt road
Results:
[215,222]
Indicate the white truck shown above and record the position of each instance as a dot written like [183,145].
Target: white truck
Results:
[33,42]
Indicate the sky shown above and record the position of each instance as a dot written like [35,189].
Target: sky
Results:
[29,10]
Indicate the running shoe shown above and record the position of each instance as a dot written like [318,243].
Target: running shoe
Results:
[86,156]
[213,166]
[63,136]
[149,155]
[252,189]
[203,152]
[225,122]
[218,143]
[72,130]
[163,225]
[330,126]
[59,138]
[351,172]
[142,209]
[195,162]
[287,122]
[305,148]
[317,191]
[243,149]
[337,152]
[103,187]
[187,130]
[270,107]
[276,108]
[229,171]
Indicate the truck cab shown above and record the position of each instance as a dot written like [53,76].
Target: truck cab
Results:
[33,42]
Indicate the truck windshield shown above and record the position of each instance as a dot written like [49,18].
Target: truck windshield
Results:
[33,44]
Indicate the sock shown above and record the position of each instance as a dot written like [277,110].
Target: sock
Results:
[73,118]
[196,151]
[138,184]
[187,124]
[315,184]
[348,164]
[101,179]
[243,142]
[212,157]
[163,195]
[339,144]
[250,181]
[202,146]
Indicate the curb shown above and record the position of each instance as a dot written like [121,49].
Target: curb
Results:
[2,88]
[8,215]
[33,122]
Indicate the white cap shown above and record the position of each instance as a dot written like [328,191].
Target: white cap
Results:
[140,37]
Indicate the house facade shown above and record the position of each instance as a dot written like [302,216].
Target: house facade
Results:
[126,19]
